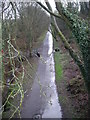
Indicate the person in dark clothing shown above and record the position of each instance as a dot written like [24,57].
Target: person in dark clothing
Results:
[38,54]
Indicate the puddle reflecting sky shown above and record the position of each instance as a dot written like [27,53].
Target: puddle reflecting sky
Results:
[53,109]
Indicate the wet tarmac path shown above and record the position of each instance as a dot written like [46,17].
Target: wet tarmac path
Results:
[43,99]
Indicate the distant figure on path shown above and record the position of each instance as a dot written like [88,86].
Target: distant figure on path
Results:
[38,54]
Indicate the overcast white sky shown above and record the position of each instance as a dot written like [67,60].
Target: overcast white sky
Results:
[52,4]
[50,1]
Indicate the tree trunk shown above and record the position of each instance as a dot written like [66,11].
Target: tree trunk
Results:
[85,48]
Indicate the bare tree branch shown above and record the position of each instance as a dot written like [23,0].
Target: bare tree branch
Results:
[49,11]
[64,40]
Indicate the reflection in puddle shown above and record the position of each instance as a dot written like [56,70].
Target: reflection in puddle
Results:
[50,42]
[53,109]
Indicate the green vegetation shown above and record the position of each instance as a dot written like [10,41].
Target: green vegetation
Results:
[23,28]
[61,83]
[58,67]
[23,31]
[81,31]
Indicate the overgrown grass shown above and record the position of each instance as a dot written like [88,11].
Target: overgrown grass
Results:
[61,59]
[62,64]
[58,66]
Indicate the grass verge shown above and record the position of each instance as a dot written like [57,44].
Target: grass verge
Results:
[71,90]
[58,67]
